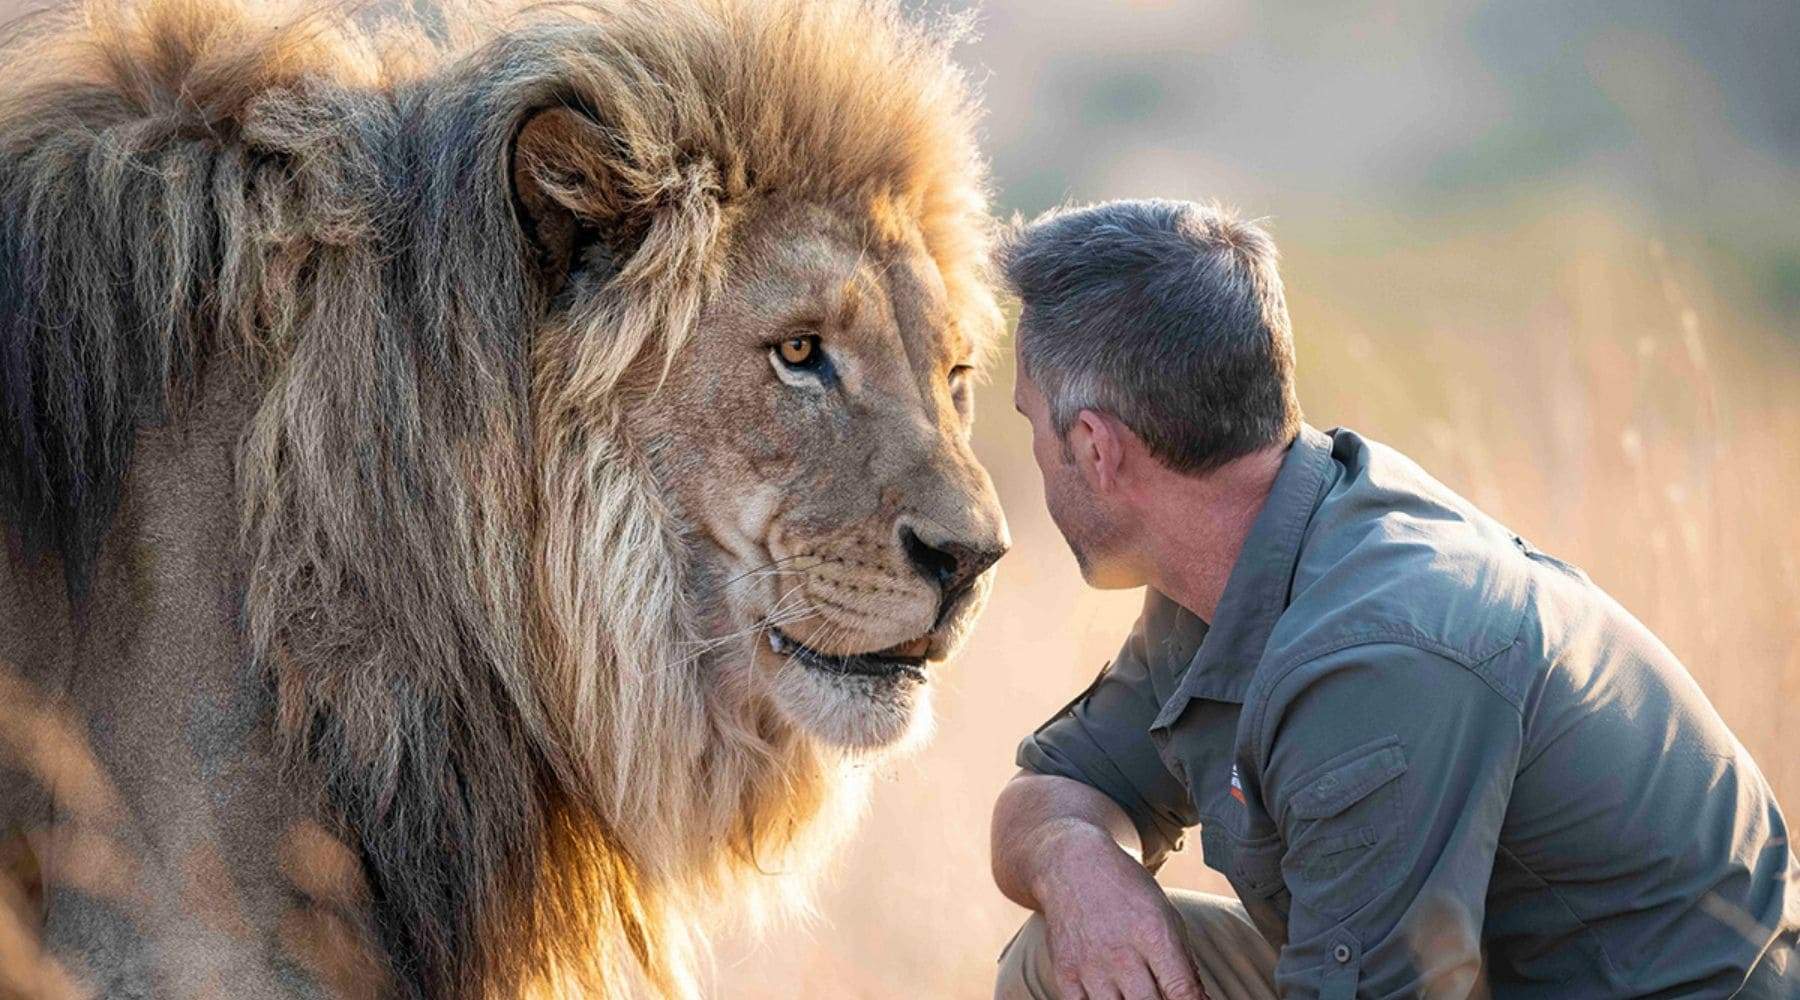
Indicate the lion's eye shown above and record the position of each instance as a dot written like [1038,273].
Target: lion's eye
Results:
[799,352]
[962,380]
[961,393]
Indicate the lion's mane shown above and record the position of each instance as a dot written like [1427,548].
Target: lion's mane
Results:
[461,586]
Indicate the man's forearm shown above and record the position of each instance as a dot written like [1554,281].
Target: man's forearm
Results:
[1043,824]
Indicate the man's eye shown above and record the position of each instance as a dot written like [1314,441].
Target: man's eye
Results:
[800,352]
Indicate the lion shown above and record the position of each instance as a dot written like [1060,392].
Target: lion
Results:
[480,487]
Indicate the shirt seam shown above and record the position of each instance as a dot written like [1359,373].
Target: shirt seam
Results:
[1586,928]
[1386,635]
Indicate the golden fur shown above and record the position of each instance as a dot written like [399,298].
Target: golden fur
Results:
[468,269]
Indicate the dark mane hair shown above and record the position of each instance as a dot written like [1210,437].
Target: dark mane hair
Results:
[171,186]
[177,184]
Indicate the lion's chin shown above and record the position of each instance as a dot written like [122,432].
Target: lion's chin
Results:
[861,713]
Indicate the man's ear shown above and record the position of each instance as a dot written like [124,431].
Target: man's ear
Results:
[566,169]
[1098,450]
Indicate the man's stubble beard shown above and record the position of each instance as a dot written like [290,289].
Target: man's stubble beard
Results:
[1093,538]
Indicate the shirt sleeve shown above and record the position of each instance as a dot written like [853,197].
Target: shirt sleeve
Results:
[1102,739]
[1387,769]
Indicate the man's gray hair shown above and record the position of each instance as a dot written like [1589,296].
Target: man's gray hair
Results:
[1167,315]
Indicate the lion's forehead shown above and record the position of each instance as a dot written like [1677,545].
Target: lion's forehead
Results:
[831,281]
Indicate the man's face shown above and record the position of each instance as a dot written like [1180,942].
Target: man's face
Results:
[1089,522]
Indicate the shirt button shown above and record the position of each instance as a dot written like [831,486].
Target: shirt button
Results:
[1341,953]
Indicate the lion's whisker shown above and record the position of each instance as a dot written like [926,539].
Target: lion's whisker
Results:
[766,569]
[790,607]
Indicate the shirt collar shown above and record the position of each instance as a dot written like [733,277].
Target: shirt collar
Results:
[1221,659]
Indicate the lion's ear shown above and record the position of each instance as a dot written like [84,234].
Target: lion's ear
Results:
[565,174]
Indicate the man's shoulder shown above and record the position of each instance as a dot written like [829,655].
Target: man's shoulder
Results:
[1393,556]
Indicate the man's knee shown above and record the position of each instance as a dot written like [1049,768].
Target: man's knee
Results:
[1230,956]
[1024,972]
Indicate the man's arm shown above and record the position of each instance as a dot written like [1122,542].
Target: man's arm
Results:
[1040,821]
[1072,830]
[1066,850]
[1102,740]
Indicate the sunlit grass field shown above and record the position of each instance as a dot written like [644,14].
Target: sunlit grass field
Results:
[1552,361]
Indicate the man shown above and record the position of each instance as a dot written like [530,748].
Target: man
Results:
[1430,759]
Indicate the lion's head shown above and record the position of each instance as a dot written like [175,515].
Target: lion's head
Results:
[607,496]
[812,441]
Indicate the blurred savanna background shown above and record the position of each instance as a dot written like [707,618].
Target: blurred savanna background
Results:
[1550,250]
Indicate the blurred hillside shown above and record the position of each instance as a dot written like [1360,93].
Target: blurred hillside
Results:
[1688,115]
[1547,249]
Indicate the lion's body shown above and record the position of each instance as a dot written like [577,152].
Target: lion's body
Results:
[377,462]
[171,818]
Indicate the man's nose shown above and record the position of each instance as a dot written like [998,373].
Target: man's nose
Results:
[952,564]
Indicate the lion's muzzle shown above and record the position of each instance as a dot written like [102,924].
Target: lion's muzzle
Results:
[950,564]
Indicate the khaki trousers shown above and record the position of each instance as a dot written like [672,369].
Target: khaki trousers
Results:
[1234,960]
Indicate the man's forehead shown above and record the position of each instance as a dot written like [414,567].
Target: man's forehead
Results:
[1025,391]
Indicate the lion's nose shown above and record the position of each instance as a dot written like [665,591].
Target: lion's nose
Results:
[953,566]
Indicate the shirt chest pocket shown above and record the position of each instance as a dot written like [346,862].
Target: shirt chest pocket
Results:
[1344,829]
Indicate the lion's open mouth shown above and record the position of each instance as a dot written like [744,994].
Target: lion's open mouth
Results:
[904,660]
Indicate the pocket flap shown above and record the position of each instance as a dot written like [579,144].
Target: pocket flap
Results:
[1335,790]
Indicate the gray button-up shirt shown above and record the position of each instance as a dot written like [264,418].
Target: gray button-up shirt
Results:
[1428,757]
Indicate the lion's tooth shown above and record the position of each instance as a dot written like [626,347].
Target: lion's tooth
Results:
[774,641]
[914,649]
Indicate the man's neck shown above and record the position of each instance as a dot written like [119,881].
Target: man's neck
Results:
[1195,527]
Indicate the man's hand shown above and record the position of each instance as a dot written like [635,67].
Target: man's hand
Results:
[1112,931]
[1066,850]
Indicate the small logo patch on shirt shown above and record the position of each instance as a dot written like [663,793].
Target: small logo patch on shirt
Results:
[1237,788]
